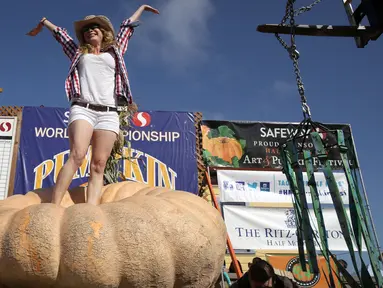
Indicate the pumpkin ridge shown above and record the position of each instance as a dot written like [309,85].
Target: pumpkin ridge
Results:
[178,262]
[136,185]
[154,248]
[198,210]
[3,236]
[159,191]
[6,245]
[193,215]
[86,256]
[212,214]
[23,238]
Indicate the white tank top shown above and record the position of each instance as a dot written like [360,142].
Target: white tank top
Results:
[97,78]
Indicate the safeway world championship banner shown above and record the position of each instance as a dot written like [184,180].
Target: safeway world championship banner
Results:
[255,144]
[163,143]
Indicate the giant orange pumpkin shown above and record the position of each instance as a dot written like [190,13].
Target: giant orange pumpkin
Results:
[139,236]
[224,147]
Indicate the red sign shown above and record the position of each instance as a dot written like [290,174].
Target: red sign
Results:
[5,126]
[141,119]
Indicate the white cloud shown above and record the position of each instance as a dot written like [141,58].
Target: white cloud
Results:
[279,89]
[178,36]
[209,115]
[284,88]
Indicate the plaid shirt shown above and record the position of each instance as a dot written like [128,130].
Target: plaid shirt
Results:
[72,83]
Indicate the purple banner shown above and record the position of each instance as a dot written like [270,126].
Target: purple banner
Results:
[164,144]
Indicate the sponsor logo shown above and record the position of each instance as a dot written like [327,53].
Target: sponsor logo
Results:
[303,279]
[234,185]
[265,186]
[290,219]
[240,186]
[252,185]
[5,126]
[141,119]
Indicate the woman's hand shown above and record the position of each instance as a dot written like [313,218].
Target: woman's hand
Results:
[38,28]
[150,9]
[139,11]
[43,22]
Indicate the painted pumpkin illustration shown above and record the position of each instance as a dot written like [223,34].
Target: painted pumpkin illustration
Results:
[205,131]
[224,148]
[221,147]
[139,236]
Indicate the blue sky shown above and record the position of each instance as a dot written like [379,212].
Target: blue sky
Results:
[207,56]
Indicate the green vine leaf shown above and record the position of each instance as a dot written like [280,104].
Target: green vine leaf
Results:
[217,161]
[235,161]
[243,144]
[225,131]
[112,167]
[213,133]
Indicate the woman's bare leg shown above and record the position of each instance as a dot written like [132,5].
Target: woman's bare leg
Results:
[80,134]
[102,145]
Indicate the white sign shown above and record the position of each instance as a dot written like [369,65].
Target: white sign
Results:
[7,126]
[275,228]
[7,138]
[272,186]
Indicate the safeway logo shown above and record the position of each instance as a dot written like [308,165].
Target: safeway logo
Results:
[5,126]
[141,119]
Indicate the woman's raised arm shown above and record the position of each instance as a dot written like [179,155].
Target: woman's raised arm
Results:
[60,34]
[136,16]
[51,27]
[128,25]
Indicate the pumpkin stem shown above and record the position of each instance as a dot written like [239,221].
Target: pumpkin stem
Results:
[224,140]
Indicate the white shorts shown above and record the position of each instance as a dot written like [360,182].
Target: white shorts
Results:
[99,120]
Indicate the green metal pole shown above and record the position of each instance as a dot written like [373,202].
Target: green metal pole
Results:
[364,192]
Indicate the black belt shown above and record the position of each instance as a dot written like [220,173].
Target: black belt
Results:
[95,107]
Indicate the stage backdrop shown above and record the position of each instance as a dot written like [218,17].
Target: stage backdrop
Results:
[163,142]
[255,144]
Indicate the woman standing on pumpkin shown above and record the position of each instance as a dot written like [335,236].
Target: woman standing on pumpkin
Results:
[96,83]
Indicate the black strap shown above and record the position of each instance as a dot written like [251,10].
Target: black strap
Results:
[99,108]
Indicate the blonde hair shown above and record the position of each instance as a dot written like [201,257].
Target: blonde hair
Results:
[107,40]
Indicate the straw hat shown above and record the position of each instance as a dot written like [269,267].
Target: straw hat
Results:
[102,20]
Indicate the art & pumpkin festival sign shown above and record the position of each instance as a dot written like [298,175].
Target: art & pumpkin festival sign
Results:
[255,144]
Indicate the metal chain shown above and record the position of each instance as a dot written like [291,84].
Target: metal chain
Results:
[306,8]
[287,15]
[292,49]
